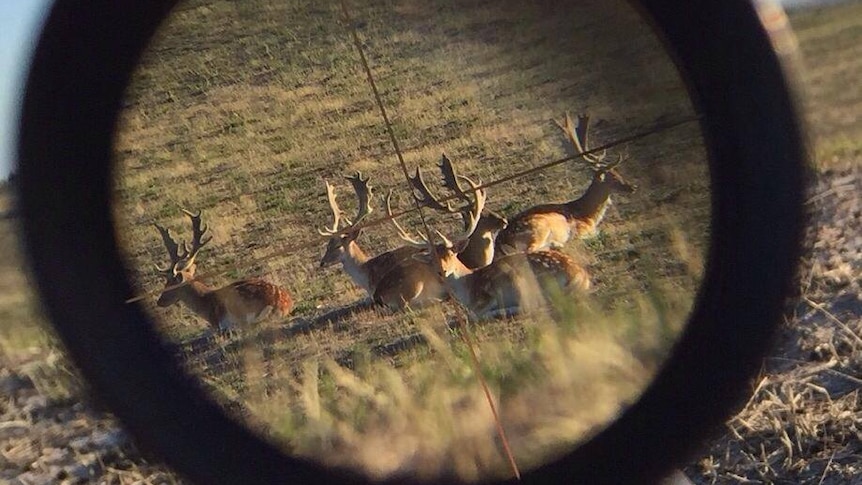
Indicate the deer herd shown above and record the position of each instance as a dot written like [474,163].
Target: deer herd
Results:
[494,267]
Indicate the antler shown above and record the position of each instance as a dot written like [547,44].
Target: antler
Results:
[579,136]
[336,212]
[450,178]
[404,235]
[364,193]
[172,247]
[188,257]
[427,198]
[471,216]
[450,181]
[198,231]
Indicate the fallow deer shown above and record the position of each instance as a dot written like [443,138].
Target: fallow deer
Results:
[410,282]
[509,285]
[365,271]
[415,282]
[480,248]
[240,303]
[552,225]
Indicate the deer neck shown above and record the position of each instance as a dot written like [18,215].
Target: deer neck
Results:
[593,203]
[457,275]
[201,300]
[459,285]
[457,269]
[354,258]
[480,251]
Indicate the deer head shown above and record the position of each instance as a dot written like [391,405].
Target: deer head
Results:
[339,239]
[181,269]
[448,251]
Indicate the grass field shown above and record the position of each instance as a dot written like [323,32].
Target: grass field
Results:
[243,110]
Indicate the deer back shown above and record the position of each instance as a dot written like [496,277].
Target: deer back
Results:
[519,282]
[381,265]
[252,300]
[538,228]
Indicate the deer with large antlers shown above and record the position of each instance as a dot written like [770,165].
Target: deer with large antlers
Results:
[240,303]
[479,251]
[552,225]
[416,282]
[365,271]
[410,282]
[509,285]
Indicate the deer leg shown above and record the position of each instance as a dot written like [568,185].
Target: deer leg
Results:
[391,298]
[264,314]
[414,295]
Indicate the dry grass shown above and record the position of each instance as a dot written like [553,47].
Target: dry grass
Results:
[802,422]
[429,416]
[420,411]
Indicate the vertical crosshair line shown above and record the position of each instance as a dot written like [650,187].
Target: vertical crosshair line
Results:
[355,35]
[474,359]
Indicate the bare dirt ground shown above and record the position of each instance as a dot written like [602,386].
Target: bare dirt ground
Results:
[803,423]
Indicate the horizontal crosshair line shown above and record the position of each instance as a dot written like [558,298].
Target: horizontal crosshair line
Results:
[659,128]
